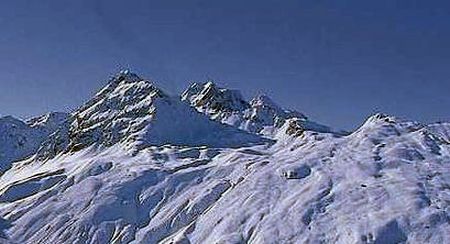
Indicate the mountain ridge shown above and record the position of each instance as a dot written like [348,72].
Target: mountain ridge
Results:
[136,165]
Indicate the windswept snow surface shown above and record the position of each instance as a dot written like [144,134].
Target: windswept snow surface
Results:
[20,139]
[387,182]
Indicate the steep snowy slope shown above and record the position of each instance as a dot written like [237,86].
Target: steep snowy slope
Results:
[19,139]
[150,182]
[135,112]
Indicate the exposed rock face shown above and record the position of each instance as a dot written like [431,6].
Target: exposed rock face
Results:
[134,111]
[109,117]
[260,115]
[213,100]
[118,112]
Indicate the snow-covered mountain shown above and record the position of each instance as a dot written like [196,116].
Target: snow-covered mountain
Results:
[260,115]
[137,165]
[19,139]
[135,112]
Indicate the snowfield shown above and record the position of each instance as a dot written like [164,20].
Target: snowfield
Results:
[135,165]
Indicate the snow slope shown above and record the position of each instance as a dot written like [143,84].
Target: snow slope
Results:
[169,174]
[19,139]
[135,112]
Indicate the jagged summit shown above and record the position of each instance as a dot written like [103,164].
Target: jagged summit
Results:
[229,107]
[264,100]
[381,117]
[113,112]
[134,111]
[211,99]
[127,75]
[381,125]
[263,110]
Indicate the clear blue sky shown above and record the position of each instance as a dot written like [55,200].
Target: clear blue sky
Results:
[336,61]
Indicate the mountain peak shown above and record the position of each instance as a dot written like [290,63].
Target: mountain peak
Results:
[210,84]
[383,125]
[133,111]
[209,97]
[127,75]
[136,165]
[382,117]
[229,107]
[262,99]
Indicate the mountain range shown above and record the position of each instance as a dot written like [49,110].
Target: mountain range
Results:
[135,164]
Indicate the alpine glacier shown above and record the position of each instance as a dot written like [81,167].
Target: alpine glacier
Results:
[137,165]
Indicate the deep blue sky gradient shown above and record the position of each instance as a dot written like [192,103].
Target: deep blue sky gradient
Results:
[336,61]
